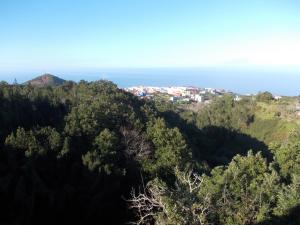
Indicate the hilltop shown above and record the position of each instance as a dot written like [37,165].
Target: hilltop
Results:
[46,80]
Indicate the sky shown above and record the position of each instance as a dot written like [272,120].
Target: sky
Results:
[70,35]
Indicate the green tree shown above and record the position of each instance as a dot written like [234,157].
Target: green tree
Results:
[288,197]
[245,191]
[170,147]
[38,141]
[225,112]
[104,156]
[264,96]
[287,155]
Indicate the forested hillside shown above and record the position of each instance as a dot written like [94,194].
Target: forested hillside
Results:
[90,153]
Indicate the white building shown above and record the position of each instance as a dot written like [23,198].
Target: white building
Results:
[277,97]
[198,98]
[173,99]
[237,98]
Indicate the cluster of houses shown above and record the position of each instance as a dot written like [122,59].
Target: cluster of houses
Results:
[178,94]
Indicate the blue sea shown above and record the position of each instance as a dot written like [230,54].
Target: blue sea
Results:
[244,81]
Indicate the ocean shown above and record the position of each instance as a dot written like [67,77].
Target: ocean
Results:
[237,80]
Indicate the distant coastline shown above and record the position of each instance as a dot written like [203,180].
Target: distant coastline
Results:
[239,81]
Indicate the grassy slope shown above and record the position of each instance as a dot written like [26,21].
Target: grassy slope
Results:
[275,120]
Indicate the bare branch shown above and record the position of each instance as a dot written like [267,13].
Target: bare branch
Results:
[193,180]
[137,145]
[146,203]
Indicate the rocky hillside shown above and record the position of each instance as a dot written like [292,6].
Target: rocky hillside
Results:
[46,80]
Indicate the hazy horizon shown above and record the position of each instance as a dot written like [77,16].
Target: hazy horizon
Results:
[237,45]
[243,81]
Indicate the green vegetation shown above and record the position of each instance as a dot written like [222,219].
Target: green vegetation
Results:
[264,97]
[90,153]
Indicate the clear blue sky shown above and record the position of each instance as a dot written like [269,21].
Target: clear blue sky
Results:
[48,35]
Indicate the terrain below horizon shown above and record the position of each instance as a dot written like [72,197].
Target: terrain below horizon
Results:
[243,81]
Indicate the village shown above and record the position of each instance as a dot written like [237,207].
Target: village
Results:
[180,94]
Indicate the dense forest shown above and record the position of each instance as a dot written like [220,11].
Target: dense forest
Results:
[91,153]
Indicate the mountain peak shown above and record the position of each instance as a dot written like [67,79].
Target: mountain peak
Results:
[46,80]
